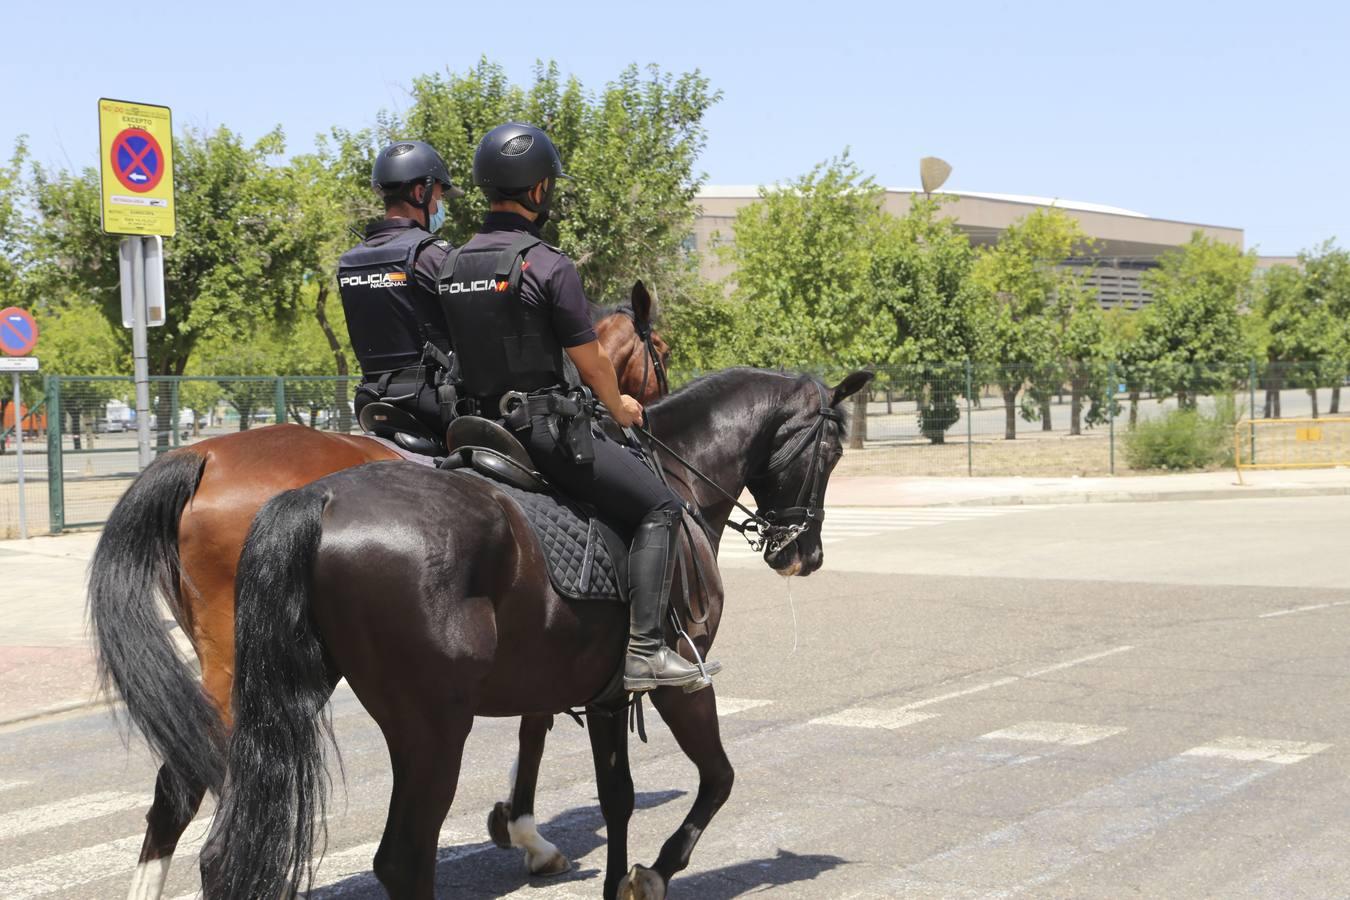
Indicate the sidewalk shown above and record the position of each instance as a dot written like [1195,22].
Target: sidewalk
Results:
[870,490]
[46,663]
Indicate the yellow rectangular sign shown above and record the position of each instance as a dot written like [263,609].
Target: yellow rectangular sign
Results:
[1307,434]
[136,167]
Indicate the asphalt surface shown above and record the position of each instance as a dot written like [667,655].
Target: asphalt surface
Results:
[1086,701]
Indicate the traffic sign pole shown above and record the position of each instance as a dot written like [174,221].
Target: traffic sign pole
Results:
[18,455]
[140,351]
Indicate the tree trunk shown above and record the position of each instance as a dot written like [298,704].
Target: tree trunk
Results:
[163,413]
[1134,408]
[1010,412]
[857,424]
[1312,395]
[76,434]
[1046,424]
[245,414]
[1335,401]
[1076,407]
[889,410]
[340,398]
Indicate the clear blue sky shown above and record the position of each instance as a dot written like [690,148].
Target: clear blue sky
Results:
[1228,113]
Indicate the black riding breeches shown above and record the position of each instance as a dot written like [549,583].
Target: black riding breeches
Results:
[617,484]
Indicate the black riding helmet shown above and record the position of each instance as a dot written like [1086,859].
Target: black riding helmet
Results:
[408,163]
[513,158]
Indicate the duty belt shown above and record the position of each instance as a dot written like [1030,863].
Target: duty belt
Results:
[518,408]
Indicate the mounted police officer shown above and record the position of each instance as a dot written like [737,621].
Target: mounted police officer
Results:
[515,307]
[388,282]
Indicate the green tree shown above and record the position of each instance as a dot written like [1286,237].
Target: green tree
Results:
[1085,349]
[237,259]
[1300,333]
[1328,280]
[1019,279]
[803,257]
[631,149]
[14,229]
[76,339]
[926,308]
[1193,328]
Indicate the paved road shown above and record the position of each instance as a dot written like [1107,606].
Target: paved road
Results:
[1095,701]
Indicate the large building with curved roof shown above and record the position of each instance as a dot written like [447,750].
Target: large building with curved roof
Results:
[1128,242]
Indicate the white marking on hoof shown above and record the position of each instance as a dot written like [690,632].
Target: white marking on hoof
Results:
[148,882]
[541,857]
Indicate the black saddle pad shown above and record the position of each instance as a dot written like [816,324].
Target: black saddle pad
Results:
[587,559]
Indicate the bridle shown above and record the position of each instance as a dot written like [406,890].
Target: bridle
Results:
[652,362]
[775,529]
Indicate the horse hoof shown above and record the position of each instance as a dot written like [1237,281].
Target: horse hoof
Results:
[551,866]
[497,822]
[642,883]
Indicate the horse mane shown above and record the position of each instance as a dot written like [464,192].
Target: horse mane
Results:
[708,388]
[600,313]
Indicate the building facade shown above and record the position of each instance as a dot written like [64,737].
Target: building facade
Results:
[1128,242]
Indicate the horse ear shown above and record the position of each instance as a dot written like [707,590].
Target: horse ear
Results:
[644,307]
[850,386]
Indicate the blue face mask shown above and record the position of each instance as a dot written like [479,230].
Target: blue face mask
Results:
[437,219]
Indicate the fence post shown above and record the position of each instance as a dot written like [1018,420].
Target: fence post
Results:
[1251,413]
[56,501]
[1111,410]
[280,400]
[173,411]
[970,432]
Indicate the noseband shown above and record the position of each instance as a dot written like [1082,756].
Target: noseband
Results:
[652,362]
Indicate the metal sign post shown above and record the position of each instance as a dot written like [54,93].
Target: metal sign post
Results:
[136,175]
[18,337]
[142,271]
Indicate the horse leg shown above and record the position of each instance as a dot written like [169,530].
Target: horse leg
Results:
[426,760]
[511,822]
[163,830]
[614,779]
[692,719]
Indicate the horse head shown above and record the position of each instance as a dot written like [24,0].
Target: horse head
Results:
[639,354]
[790,491]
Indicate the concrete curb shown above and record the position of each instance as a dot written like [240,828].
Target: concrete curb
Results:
[56,712]
[1070,497]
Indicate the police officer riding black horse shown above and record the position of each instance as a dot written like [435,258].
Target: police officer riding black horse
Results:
[388,287]
[516,309]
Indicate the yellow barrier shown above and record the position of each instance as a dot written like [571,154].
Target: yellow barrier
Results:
[1291,444]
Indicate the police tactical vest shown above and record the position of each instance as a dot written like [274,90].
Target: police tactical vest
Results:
[501,343]
[389,319]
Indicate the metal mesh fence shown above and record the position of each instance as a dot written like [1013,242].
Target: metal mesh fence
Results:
[956,419]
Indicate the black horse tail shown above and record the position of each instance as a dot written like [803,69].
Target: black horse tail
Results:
[262,840]
[136,559]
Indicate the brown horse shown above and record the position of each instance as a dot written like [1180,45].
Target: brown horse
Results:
[180,529]
[439,611]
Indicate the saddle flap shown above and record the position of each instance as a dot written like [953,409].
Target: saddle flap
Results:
[387,420]
[475,431]
[500,467]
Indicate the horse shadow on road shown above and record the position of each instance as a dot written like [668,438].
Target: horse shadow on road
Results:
[483,870]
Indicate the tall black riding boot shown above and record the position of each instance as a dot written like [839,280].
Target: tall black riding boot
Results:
[650,663]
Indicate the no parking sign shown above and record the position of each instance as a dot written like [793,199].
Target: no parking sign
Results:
[137,167]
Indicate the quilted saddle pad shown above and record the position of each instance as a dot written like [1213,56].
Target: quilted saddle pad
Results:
[587,559]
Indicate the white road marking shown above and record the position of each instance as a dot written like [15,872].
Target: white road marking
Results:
[863,717]
[1283,753]
[1067,734]
[1000,682]
[67,812]
[68,870]
[729,706]
[1299,609]
[10,785]
[1044,846]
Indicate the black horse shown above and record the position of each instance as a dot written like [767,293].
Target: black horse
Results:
[430,593]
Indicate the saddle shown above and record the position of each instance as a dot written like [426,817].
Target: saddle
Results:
[385,420]
[587,558]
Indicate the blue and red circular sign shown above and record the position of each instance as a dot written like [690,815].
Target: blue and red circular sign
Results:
[18,332]
[137,160]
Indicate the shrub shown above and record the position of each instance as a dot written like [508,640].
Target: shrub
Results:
[1183,439]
